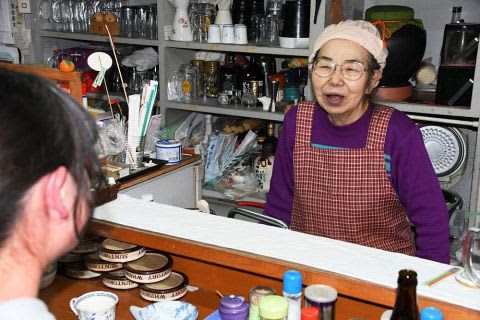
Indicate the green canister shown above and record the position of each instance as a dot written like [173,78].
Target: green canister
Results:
[273,308]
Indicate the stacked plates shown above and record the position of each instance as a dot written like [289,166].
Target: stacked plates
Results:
[125,266]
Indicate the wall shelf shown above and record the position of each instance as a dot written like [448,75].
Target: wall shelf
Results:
[248,48]
[432,110]
[229,110]
[97,38]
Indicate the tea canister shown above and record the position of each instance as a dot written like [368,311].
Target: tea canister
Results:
[152,267]
[172,288]
[94,263]
[117,280]
[170,150]
[78,270]
[118,251]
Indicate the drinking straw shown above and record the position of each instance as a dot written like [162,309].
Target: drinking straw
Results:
[440,277]
[116,61]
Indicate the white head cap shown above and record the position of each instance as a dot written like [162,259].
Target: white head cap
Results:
[359,31]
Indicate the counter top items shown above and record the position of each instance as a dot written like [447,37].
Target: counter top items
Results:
[322,297]
[95,305]
[406,300]
[165,310]
[118,251]
[233,307]
[172,288]
[292,291]
[94,263]
[152,267]
[273,308]
[78,270]
[255,294]
[117,280]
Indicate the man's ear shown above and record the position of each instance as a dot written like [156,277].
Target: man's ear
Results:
[54,193]
[377,75]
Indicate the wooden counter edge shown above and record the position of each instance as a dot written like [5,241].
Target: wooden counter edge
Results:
[267,267]
[187,159]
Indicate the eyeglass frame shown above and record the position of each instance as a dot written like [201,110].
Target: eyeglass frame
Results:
[334,68]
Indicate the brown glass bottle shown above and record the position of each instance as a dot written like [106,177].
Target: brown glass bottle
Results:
[406,302]
[271,139]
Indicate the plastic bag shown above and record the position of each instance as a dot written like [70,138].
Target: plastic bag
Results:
[191,131]
[219,152]
[142,60]
[111,138]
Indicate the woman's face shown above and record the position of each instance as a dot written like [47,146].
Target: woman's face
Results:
[341,98]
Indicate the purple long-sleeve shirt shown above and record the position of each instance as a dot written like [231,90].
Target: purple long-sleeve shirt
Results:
[406,162]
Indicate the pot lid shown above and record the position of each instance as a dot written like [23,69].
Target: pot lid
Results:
[446,148]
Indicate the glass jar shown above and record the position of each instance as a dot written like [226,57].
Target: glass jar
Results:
[184,81]
[199,66]
[273,308]
[212,79]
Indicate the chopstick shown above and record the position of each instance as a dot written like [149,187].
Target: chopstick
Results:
[440,277]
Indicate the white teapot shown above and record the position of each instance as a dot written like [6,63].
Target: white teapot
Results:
[182,28]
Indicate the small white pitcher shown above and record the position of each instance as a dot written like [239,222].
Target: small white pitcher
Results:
[182,28]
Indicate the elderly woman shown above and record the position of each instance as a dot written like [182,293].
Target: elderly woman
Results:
[48,158]
[349,169]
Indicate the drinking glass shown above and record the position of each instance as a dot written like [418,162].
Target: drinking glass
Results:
[259,28]
[45,13]
[141,16]
[272,31]
[66,11]
[128,21]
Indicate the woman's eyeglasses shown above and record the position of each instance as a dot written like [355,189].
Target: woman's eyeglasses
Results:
[350,70]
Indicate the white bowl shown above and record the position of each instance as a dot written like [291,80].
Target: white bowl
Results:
[294,42]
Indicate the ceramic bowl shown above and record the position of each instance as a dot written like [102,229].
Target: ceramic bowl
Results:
[78,270]
[172,288]
[94,263]
[118,251]
[117,280]
[152,267]
[165,310]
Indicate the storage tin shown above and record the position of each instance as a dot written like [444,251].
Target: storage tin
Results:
[152,267]
[118,251]
[96,264]
[172,288]
[78,270]
[117,280]
[170,150]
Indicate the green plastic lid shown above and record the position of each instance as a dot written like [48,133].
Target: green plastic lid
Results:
[273,307]
[389,12]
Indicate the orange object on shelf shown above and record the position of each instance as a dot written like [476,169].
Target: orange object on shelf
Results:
[66,66]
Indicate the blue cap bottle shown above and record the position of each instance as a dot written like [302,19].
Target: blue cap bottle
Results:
[431,313]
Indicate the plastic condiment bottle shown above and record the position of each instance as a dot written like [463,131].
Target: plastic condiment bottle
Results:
[292,291]
[431,313]
[310,313]
[233,307]
[273,308]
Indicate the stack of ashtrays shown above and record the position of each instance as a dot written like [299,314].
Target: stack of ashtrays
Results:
[126,266]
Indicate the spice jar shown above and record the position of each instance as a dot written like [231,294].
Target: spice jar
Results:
[233,307]
[212,79]
[273,308]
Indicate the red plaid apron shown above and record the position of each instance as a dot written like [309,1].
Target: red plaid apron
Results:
[345,194]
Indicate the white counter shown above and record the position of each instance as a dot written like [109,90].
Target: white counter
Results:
[364,263]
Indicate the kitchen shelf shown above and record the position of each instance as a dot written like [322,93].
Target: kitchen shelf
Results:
[432,109]
[97,38]
[200,106]
[248,48]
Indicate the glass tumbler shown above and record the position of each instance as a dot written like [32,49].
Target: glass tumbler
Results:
[128,21]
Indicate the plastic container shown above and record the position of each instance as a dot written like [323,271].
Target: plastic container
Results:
[292,291]
[233,307]
[322,297]
[170,150]
[254,296]
[273,308]
[310,313]
[431,313]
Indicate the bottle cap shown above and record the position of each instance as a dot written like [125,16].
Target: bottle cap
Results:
[273,307]
[431,313]
[310,313]
[292,282]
